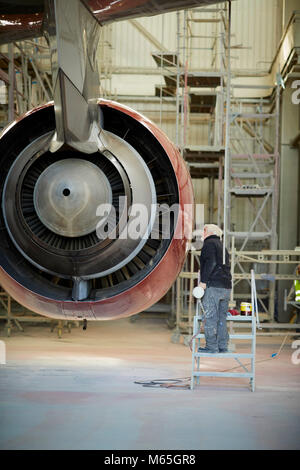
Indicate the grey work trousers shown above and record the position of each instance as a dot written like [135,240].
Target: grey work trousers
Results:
[215,303]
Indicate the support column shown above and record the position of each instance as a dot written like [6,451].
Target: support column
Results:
[289,207]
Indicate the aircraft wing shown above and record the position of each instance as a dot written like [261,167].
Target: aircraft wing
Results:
[23,19]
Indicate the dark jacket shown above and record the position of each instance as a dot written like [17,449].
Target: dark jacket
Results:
[213,272]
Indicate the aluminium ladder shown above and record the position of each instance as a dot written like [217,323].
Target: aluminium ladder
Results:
[196,356]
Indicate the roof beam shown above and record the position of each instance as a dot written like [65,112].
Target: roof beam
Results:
[137,25]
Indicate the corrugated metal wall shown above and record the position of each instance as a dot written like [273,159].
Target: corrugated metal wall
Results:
[254,28]
[254,24]
[254,32]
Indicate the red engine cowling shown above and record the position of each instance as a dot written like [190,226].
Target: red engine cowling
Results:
[52,259]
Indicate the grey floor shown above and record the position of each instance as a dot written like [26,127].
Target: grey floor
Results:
[78,392]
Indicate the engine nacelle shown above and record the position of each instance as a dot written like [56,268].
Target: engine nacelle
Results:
[61,254]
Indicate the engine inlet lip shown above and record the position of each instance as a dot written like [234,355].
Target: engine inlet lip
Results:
[168,174]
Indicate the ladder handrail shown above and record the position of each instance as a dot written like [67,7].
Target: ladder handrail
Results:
[254,319]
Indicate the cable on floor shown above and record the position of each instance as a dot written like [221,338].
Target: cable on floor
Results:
[184,382]
[167,383]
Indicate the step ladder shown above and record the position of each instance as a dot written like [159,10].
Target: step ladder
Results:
[253,321]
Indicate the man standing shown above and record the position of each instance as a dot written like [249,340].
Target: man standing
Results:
[216,280]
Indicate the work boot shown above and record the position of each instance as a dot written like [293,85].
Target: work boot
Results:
[222,350]
[206,350]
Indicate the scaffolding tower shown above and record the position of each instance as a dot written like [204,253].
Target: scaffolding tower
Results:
[242,154]
[253,179]
[199,92]
[25,77]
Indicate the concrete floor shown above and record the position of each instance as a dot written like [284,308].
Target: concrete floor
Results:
[78,392]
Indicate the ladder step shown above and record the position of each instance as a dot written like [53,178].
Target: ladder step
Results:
[251,191]
[223,374]
[229,354]
[235,336]
[238,318]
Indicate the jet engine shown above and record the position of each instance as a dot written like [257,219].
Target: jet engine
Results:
[60,256]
